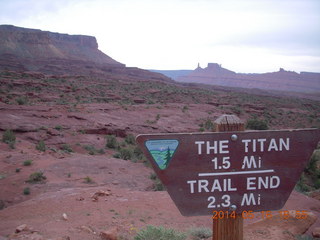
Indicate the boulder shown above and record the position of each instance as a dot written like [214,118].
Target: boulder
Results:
[280,228]
[21,228]
[316,232]
[111,234]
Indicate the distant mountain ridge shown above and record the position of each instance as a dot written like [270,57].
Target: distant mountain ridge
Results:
[23,49]
[215,74]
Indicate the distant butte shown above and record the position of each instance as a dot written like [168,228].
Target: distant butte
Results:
[215,74]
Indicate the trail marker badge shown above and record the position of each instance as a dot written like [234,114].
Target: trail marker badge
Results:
[242,171]
[162,151]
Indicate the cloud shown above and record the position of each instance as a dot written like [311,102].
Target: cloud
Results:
[180,33]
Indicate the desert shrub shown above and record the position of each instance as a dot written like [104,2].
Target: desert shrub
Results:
[41,146]
[310,179]
[159,233]
[256,124]
[157,184]
[237,110]
[130,139]
[8,137]
[26,191]
[22,100]
[138,154]
[92,150]
[111,141]
[101,151]
[66,148]
[200,233]
[27,162]
[36,177]
[302,185]
[208,124]
[185,108]
[312,167]
[126,153]
[153,176]
[88,179]
[303,237]
[58,127]
[18,170]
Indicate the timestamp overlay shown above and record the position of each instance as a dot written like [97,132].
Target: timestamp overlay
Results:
[283,214]
[252,171]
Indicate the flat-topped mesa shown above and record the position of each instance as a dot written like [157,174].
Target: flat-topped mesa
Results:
[23,50]
[35,45]
[34,36]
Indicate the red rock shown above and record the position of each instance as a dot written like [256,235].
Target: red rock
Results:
[279,228]
[110,234]
[139,100]
[21,228]
[282,80]
[316,232]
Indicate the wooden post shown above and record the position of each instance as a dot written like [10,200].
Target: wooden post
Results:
[228,228]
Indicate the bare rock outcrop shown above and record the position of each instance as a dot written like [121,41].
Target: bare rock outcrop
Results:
[282,80]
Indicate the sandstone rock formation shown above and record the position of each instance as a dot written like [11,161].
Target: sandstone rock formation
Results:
[282,80]
[31,44]
[23,49]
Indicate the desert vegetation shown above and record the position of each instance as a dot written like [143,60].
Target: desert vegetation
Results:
[79,132]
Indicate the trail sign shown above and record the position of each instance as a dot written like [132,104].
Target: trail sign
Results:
[241,171]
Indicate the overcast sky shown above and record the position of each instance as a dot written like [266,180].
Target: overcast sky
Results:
[242,35]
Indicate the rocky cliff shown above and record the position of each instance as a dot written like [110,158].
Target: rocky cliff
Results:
[282,80]
[23,49]
[36,44]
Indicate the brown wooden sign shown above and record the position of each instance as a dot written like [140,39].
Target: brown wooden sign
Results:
[241,171]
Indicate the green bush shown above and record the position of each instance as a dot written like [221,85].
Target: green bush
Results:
[26,191]
[126,153]
[41,146]
[88,179]
[159,233]
[185,108]
[8,137]
[256,124]
[111,141]
[200,233]
[312,165]
[66,148]
[208,125]
[302,185]
[58,127]
[92,150]
[130,139]
[157,184]
[22,100]
[27,162]
[36,177]
[138,154]
[153,176]
[304,237]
